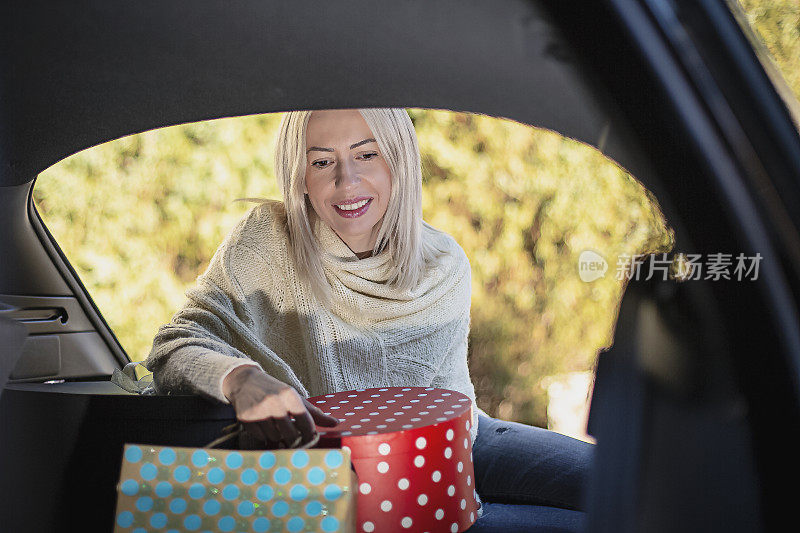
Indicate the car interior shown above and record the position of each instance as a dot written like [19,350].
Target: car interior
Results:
[691,403]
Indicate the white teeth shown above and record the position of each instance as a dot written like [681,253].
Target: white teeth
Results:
[351,207]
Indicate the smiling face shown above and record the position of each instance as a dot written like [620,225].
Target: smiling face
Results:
[347,178]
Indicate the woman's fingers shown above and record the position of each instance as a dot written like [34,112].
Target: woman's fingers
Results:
[288,432]
[318,416]
[271,429]
[255,431]
[274,411]
[263,430]
[305,424]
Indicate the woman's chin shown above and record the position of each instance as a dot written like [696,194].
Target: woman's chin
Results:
[353,232]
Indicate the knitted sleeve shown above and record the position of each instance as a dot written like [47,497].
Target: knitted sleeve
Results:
[454,371]
[215,331]
[454,375]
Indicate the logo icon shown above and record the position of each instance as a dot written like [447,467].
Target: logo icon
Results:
[591,266]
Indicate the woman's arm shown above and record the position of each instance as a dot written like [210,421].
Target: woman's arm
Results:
[454,373]
[206,338]
[220,326]
[195,351]
[207,345]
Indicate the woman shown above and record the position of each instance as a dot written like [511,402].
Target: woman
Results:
[343,286]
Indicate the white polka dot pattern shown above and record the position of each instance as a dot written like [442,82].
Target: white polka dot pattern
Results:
[405,407]
[411,449]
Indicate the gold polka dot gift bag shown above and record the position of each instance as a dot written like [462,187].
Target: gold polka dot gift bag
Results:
[172,489]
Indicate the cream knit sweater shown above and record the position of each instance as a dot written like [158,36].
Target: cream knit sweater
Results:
[249,307]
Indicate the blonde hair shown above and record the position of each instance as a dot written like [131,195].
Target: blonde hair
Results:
[400,233]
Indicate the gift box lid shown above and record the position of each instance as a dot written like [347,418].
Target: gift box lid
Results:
[390,409]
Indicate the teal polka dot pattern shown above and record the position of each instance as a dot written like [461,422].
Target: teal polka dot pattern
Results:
[298,492]
[158,520]
[182,474]
[133,454]
[334,458]
[332,492]
[295,524]
[265,493]
[211,507]
[313,508]
[280,508]
[261,524]
[167,456]
[246,508]
[300,459]
[282,475]
[234,460]
[163,489]
[216,475]
[226,523]
[200,458]
[145,503]
[329,523]
[125,519]
[249,476]
[129,487]
[267,460]
[168,488]
[178,506]
[197,491]
[148,471]
[315,475]
[230,492]
[192,522]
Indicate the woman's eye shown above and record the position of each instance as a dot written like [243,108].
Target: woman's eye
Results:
[369,155]
[322,163]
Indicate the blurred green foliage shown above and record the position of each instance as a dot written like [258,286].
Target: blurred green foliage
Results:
[524,203]
[776,24]
[140,217]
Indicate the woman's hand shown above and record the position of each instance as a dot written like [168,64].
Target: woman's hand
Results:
[272,410]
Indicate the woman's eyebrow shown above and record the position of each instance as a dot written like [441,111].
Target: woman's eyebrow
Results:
[359,143]
[356,145]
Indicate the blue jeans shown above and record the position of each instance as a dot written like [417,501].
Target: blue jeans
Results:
[529,478]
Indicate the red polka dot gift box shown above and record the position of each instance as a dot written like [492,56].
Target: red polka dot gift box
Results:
[412,452]
[170,489]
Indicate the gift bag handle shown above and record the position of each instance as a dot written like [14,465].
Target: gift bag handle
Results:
[237,428]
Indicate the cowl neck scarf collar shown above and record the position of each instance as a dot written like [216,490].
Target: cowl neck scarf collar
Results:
[340,258]
[360,286]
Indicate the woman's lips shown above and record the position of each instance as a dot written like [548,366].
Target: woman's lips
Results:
[354,213]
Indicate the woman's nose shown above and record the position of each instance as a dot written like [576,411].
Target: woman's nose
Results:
[347,173]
